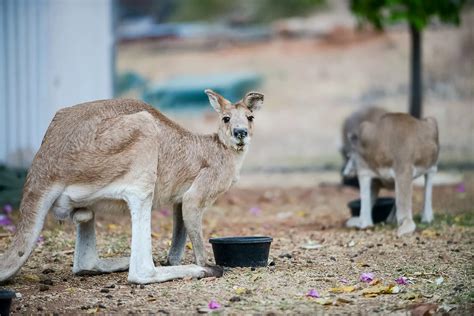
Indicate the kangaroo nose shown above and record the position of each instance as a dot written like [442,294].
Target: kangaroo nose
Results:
[240,133]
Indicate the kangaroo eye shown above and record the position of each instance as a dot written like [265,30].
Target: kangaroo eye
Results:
[250,118]
[226,119]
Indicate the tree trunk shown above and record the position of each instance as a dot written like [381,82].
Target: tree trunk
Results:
[416,92]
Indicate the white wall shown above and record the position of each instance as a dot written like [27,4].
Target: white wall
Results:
[53,53]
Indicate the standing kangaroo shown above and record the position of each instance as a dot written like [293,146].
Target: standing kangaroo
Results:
[394,150]
[112,155]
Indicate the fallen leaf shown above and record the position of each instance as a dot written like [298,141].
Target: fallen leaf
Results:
[428,233]
[351,243]
[343,289]
[439,281]
[380,289]
[31,277]
[374,282]
[112,227]
[155,235]
[242,290]
[301,214]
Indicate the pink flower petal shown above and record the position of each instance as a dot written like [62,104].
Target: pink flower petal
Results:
[5,220]
[214,305]
[313,293]
[8,208]
[343,281]
[165,212]
[255,210]
[461,188]
[367,277]
[10,228]
[402,280]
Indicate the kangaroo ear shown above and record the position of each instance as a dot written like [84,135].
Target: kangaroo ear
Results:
[217,101]
[254,101]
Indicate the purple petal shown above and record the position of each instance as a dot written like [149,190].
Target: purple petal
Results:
[255,210]
[461,188]
[40,239]
[5,220]
[213,305]
[402,280]
[343,281]
[10,228]
[313,293]
[8,208]
[367,277]
[165,212]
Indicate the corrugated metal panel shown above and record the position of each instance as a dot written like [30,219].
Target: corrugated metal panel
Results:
[52,54]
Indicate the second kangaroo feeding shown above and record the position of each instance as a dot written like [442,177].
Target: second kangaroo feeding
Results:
[124,154]
[393,150]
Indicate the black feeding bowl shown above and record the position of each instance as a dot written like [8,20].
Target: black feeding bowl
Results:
[380,211]
[5,302]
[249,251]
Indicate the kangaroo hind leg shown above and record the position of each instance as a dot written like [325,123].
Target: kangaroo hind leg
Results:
[86,259]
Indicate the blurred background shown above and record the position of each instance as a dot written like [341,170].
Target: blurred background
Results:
[316,61]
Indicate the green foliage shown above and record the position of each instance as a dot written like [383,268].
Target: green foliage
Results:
[11,185]
[416,12]
[258,10]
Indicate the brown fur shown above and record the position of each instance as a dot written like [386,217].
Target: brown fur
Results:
[131,145]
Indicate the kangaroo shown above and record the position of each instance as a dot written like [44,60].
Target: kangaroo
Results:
[350,126]
[394,149]
[114,155]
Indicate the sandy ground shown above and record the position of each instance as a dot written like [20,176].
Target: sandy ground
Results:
[436,259]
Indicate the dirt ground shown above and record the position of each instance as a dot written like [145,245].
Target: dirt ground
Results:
[436,260]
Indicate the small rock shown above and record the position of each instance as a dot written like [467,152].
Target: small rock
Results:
[43,288]
[40,309]
[252,269]
[332,258]
[235,299]
[162,311]
[285,255]
[109,296]
[47,271]
[111,286]
[101,306]
[47,282]
[142,286]
[104,290]
[272,263]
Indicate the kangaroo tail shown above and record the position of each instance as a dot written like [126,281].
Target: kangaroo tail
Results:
[34,207]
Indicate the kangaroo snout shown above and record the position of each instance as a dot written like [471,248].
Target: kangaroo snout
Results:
[240,133]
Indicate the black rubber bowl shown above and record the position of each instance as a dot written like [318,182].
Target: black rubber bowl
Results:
[350,182]
[249,251]
[5,302]
[380,212]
